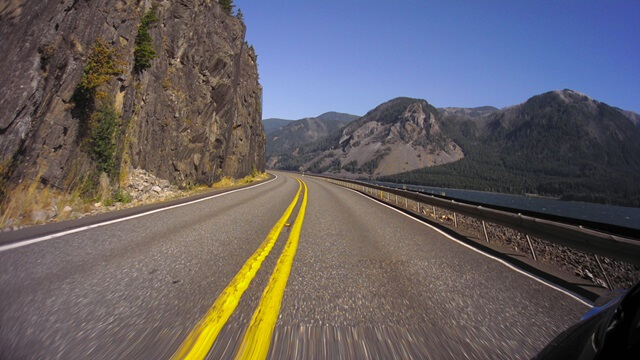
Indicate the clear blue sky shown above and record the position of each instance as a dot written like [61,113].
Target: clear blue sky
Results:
[350,56]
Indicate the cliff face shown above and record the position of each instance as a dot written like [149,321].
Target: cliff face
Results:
[192,116]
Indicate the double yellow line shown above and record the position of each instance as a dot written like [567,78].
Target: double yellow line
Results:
[257,339]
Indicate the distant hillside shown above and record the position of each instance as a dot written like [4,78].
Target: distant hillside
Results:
[469,112]
[336,116]
[299,132]
[399,135]
[273,124]
[559,143]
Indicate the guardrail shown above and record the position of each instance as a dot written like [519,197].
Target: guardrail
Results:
[577,237]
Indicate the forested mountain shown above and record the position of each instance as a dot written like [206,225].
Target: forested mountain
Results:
[561,143]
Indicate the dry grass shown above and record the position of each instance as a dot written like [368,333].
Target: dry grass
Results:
[224,182]
[30,197]
[230,182]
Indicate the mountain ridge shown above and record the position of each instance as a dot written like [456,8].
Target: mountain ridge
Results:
[559,143]
[298,132]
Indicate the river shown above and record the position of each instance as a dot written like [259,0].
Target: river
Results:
[615,215]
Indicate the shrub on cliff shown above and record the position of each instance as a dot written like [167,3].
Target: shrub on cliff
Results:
[102,65]
[144,51]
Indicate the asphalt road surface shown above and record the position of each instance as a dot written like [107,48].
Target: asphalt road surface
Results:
[366,281]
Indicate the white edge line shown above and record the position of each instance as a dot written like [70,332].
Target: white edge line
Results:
[534,277]
[72,231]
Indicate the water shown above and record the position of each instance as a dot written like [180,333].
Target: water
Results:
[615,215]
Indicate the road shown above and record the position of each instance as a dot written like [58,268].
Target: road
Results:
[366,282]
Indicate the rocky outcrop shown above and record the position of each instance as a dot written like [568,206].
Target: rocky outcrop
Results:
[193,116]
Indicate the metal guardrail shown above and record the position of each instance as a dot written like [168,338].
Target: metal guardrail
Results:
[577,237]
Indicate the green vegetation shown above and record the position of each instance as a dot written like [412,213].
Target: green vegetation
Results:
[122,196]
[370,166]
[227,6]
[144,51]
[103,138]
[351,166]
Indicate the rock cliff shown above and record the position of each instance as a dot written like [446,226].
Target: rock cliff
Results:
[91,87]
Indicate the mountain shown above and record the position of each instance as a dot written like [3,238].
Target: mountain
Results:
[171,89]
[634,117]
[399,135]
[274,124]
[560,143]
[336,116]
[304,131]
[476,112]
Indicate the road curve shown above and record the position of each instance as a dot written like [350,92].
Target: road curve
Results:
[366,282]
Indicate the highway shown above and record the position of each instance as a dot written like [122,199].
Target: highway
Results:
[346,277]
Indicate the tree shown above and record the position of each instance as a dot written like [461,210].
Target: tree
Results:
[227,6]
[240,15]
[144,51]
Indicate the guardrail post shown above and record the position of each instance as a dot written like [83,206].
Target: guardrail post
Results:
[484,227]
[533,253]
[455,220]
[419,209]
[606,278]
[434,212]
[406,203]
[396,199]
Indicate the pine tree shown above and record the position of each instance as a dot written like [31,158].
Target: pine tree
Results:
[227,6]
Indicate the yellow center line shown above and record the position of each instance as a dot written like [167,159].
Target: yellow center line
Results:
[201,338]
[257,339]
